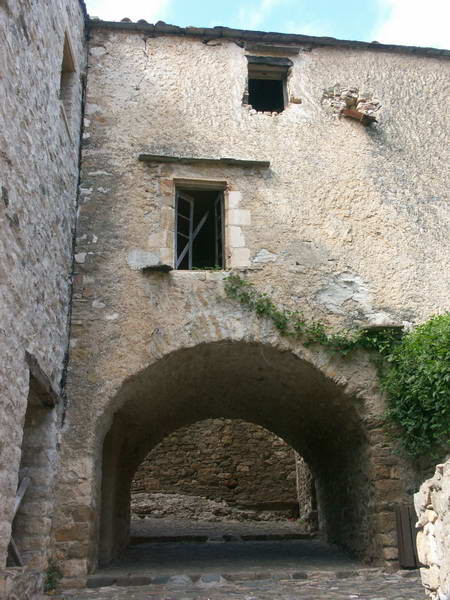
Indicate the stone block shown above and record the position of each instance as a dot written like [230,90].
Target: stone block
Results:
[234,199]
[236,238]
[75,568]
[238,217]
[75,533]
[140,260]
[240,257]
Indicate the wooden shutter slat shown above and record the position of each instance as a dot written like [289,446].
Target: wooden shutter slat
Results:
[406,536]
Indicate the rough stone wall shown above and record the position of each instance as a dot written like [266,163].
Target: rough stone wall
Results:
[342,210]
[222,459]
[432,504]
[21,583]
[38,182]
[306,494]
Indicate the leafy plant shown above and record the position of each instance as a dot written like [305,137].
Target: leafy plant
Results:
[414,368]
[417,383]
[53,575]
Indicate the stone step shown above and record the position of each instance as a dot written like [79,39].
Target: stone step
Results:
[256,537]
[128,579]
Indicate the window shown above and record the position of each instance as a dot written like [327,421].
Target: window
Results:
[267,87]
[199,229]
[67,79]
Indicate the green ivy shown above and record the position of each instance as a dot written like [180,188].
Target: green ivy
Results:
[414,368]
[294,324]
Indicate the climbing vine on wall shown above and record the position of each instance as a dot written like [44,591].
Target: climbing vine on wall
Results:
[414,367]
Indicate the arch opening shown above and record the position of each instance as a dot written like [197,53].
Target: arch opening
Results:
[223,471]
[254,383]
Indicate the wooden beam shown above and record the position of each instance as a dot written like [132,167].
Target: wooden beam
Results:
[359,116]
[23,486]
[192,160]
[15,552]
[21,490]
[270,61]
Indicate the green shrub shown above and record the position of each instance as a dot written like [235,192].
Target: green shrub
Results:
[417,383]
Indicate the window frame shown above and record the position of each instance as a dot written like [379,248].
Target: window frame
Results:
[218,210]
[270,68]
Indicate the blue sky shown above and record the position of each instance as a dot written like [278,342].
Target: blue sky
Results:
[411,22]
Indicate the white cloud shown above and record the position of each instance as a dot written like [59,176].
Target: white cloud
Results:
[252,17]
[116,10]
[414,23]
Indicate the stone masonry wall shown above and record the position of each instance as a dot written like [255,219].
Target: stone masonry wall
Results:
[432,504]
[222,459]
[38,183]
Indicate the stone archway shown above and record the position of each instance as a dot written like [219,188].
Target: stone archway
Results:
[329,410]
[263,385]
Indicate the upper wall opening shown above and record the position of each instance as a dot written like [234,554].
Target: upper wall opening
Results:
[267,83]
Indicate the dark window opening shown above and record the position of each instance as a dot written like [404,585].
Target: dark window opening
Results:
[199,229]
[266,95]
[267,83]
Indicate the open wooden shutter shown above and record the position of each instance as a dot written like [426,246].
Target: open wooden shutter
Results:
[406,535]
[185,221]
[23,486]
[218,218]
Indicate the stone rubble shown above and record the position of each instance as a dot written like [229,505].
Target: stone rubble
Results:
[432,504]
[337,98]
[196,508]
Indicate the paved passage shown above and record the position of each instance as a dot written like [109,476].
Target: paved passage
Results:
[227,568]
[367,585]
[222,557]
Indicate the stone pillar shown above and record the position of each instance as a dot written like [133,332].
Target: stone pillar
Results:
[393,478]
[306,494]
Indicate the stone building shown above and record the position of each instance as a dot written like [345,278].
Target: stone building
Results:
[204,150]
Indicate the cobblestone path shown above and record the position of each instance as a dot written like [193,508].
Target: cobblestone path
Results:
[372,585]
